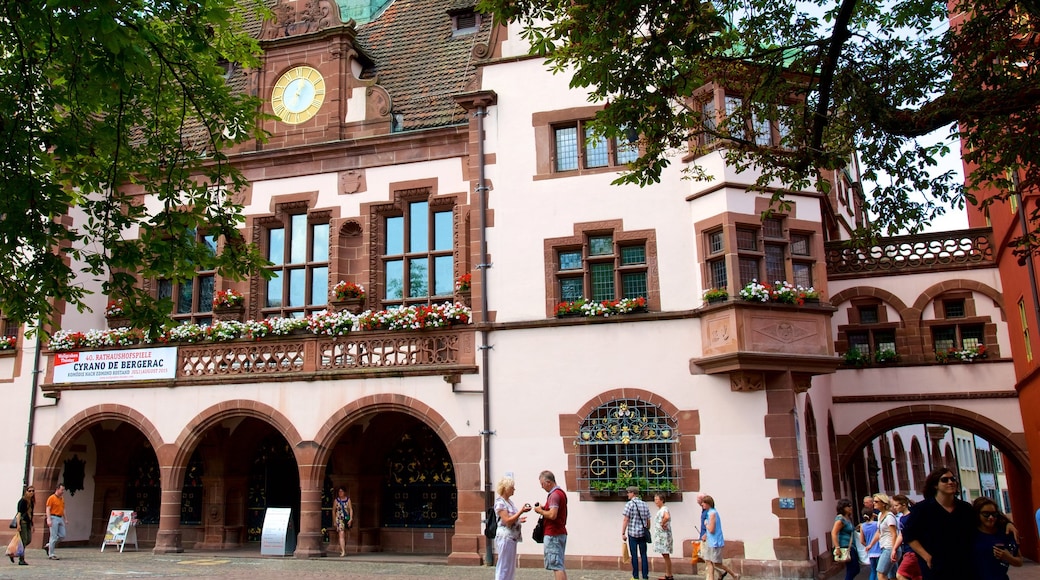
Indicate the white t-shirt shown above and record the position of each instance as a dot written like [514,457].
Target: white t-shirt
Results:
[888,539]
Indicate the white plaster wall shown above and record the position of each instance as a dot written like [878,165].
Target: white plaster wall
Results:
[79,507]
[16,386]
[378,180]
[566,367]
[529,211]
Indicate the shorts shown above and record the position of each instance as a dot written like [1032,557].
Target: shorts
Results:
[555,546]
[710,554]
[885,563]
[909,568]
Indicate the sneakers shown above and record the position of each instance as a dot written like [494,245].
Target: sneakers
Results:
[53,558]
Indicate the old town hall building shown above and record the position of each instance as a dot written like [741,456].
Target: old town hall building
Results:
[478,300]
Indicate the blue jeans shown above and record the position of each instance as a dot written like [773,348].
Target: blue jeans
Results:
[852,566]
[57,533]
[637,548]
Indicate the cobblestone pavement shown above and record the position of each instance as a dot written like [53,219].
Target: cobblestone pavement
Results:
[84,562]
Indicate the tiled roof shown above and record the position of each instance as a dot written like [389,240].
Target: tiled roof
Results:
[419,62]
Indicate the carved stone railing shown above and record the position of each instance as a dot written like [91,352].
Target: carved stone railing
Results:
[241,358]
[307,357]
[393,350]
[297,354]
[930,252]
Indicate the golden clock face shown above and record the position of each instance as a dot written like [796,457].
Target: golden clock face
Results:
[298,94]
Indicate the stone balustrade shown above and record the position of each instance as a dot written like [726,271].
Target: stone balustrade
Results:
[307,356]
[927,252]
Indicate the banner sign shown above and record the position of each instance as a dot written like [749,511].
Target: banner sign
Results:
[139,364]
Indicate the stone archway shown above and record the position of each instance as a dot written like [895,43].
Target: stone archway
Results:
[1012,444]
[224,522]
[107,456]
[466,542]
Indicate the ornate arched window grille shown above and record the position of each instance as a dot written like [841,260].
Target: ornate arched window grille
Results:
[628,442]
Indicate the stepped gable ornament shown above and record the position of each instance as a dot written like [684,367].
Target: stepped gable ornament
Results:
[296,18]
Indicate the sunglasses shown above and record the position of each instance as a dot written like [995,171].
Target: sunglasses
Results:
[948,479]
[988,514]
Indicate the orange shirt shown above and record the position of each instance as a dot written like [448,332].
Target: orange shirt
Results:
[56,505]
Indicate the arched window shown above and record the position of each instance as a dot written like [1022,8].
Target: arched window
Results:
[902,477]
[886,465]
[628,442]
[917,465]
[813,451]
[832,440]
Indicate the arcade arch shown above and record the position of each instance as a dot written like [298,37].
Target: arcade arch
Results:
[852,448]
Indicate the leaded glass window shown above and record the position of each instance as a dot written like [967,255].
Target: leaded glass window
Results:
[716,243]
[628,442]
[193,298]
[577,146]
[298,249]
[418,260]
[602,270]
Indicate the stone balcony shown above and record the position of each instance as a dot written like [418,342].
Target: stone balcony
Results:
[754,341]
[930,252]
[306,357]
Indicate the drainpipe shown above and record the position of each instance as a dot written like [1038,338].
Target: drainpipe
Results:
[32,410]
[485,348]
[1030,267]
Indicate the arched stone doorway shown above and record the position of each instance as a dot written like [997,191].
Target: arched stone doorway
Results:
[401,481]
[228,465]
[1016,466]
[414,483]
[240,467]
[106,457]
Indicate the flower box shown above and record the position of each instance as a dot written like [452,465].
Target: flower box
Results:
[236,313]
[119,321]
[351,305]
[591,308]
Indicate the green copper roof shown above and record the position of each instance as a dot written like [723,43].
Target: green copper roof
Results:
[361,11]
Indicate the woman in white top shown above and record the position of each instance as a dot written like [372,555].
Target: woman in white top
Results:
[886,536]
[508,532]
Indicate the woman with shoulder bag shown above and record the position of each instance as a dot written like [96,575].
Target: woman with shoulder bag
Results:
[841,537]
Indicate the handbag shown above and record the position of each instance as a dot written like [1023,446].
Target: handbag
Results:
[538,535]
[14,522]
[843,554]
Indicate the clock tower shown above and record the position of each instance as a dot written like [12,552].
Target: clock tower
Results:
[309,82]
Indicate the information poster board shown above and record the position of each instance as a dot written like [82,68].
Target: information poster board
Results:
[121,529]
[278,537]
[139,364]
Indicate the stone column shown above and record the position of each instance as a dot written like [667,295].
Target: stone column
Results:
[168,539]
[308,541]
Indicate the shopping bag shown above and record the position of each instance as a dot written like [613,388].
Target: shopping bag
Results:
[695,550]
[625,556]
[15,548]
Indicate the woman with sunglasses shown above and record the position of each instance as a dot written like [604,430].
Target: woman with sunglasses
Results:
[994,549]
[941,529]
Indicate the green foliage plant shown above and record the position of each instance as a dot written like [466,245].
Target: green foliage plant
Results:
[118,121]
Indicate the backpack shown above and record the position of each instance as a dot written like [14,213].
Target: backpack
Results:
[490,523]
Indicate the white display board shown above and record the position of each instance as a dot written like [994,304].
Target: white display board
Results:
[121,529]
[139,364]
[278,537]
